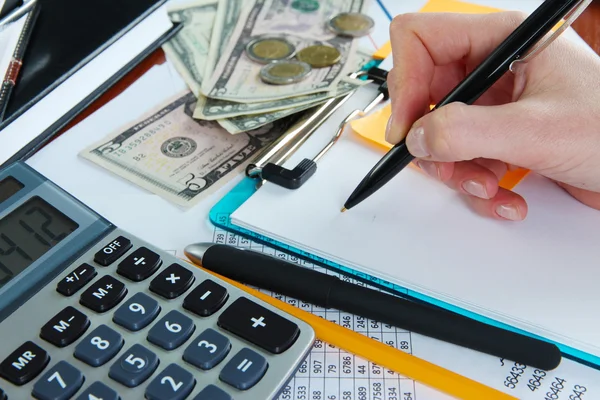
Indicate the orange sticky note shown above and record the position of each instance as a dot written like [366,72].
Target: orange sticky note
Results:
[372,127]
[440,6]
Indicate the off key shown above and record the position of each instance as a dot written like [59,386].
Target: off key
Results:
[112,251]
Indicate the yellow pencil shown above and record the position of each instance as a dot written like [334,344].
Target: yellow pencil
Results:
[407,365]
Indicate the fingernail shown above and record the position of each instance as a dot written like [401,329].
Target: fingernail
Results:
[509,211]
[430,168]
[388,129]
[475,188]
[415,140]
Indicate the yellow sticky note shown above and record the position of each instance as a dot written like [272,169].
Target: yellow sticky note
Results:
[440,6]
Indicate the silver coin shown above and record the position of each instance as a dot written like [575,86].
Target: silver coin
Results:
[284,72]
[263,50]
[351,24]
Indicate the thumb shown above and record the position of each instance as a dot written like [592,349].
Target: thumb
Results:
[460,132]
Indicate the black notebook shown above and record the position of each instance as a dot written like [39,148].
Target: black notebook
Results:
[67,36]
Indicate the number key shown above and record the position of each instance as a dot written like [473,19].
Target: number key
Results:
[99,346]
[98,391]
[173,383]
[134,366]
[209,349]
[58,383]
[137,312]
[171,331]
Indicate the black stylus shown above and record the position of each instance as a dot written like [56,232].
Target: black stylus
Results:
[515,46]
[288,279]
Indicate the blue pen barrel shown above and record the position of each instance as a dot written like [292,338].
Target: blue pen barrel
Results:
[283,277]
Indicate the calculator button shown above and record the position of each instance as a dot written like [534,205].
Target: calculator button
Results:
[171,331]
[206,299]
[98,391]
[258,325]
[173,383]
[172,282]
[209,349]
[112,251]
[99,346]
[244,370]
[24,364]
[2,395]
[213,393]
[58,383]
[139,265]
[65,327]
[77,279]
[137,312]
[134,366]
[104,294]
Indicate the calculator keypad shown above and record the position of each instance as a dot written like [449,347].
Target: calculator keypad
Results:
[244,370]
[134,366]
[258,325]
[98,390]
[100,346]
[139,265]
[104,294]
[60,382]
[171,331]
[65,327]
[24,364]
[77,279]
[173,383]
[137,312]
[172,282]
[206,299]
[207,350]
[183,334]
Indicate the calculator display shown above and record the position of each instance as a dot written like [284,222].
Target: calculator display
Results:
[8,187]
[27,233]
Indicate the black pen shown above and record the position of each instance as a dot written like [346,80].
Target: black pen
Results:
[513,48]
[285,278]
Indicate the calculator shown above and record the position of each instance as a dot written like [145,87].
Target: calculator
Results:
[90,312]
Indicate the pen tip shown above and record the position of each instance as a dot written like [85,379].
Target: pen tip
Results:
[343,209]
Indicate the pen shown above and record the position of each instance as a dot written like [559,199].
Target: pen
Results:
[328,291]
[513,48]
[407,365]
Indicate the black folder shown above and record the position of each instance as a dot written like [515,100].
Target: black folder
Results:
[67,35]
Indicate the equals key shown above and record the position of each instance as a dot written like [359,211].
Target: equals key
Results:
[75,280]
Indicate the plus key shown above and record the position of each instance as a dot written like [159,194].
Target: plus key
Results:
[259,325]
[104,294]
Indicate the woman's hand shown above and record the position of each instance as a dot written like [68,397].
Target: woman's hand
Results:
[544,117]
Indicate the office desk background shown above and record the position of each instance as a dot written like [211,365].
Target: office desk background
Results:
[587,26]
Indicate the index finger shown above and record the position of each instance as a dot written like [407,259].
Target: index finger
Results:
[422,42]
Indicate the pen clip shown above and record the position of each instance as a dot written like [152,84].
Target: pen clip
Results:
[578,9]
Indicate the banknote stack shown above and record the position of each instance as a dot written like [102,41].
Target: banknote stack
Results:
[251,68]
[253,62]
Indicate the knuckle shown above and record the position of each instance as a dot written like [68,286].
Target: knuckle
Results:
[444,142]
[403,22]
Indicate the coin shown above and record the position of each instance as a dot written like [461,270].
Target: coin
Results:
[351,24]
[319,56]
[284,72]
[266,49]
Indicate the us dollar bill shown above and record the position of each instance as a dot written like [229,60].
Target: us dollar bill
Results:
[188,50]
[236,77]
[175,156]
[243,123]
